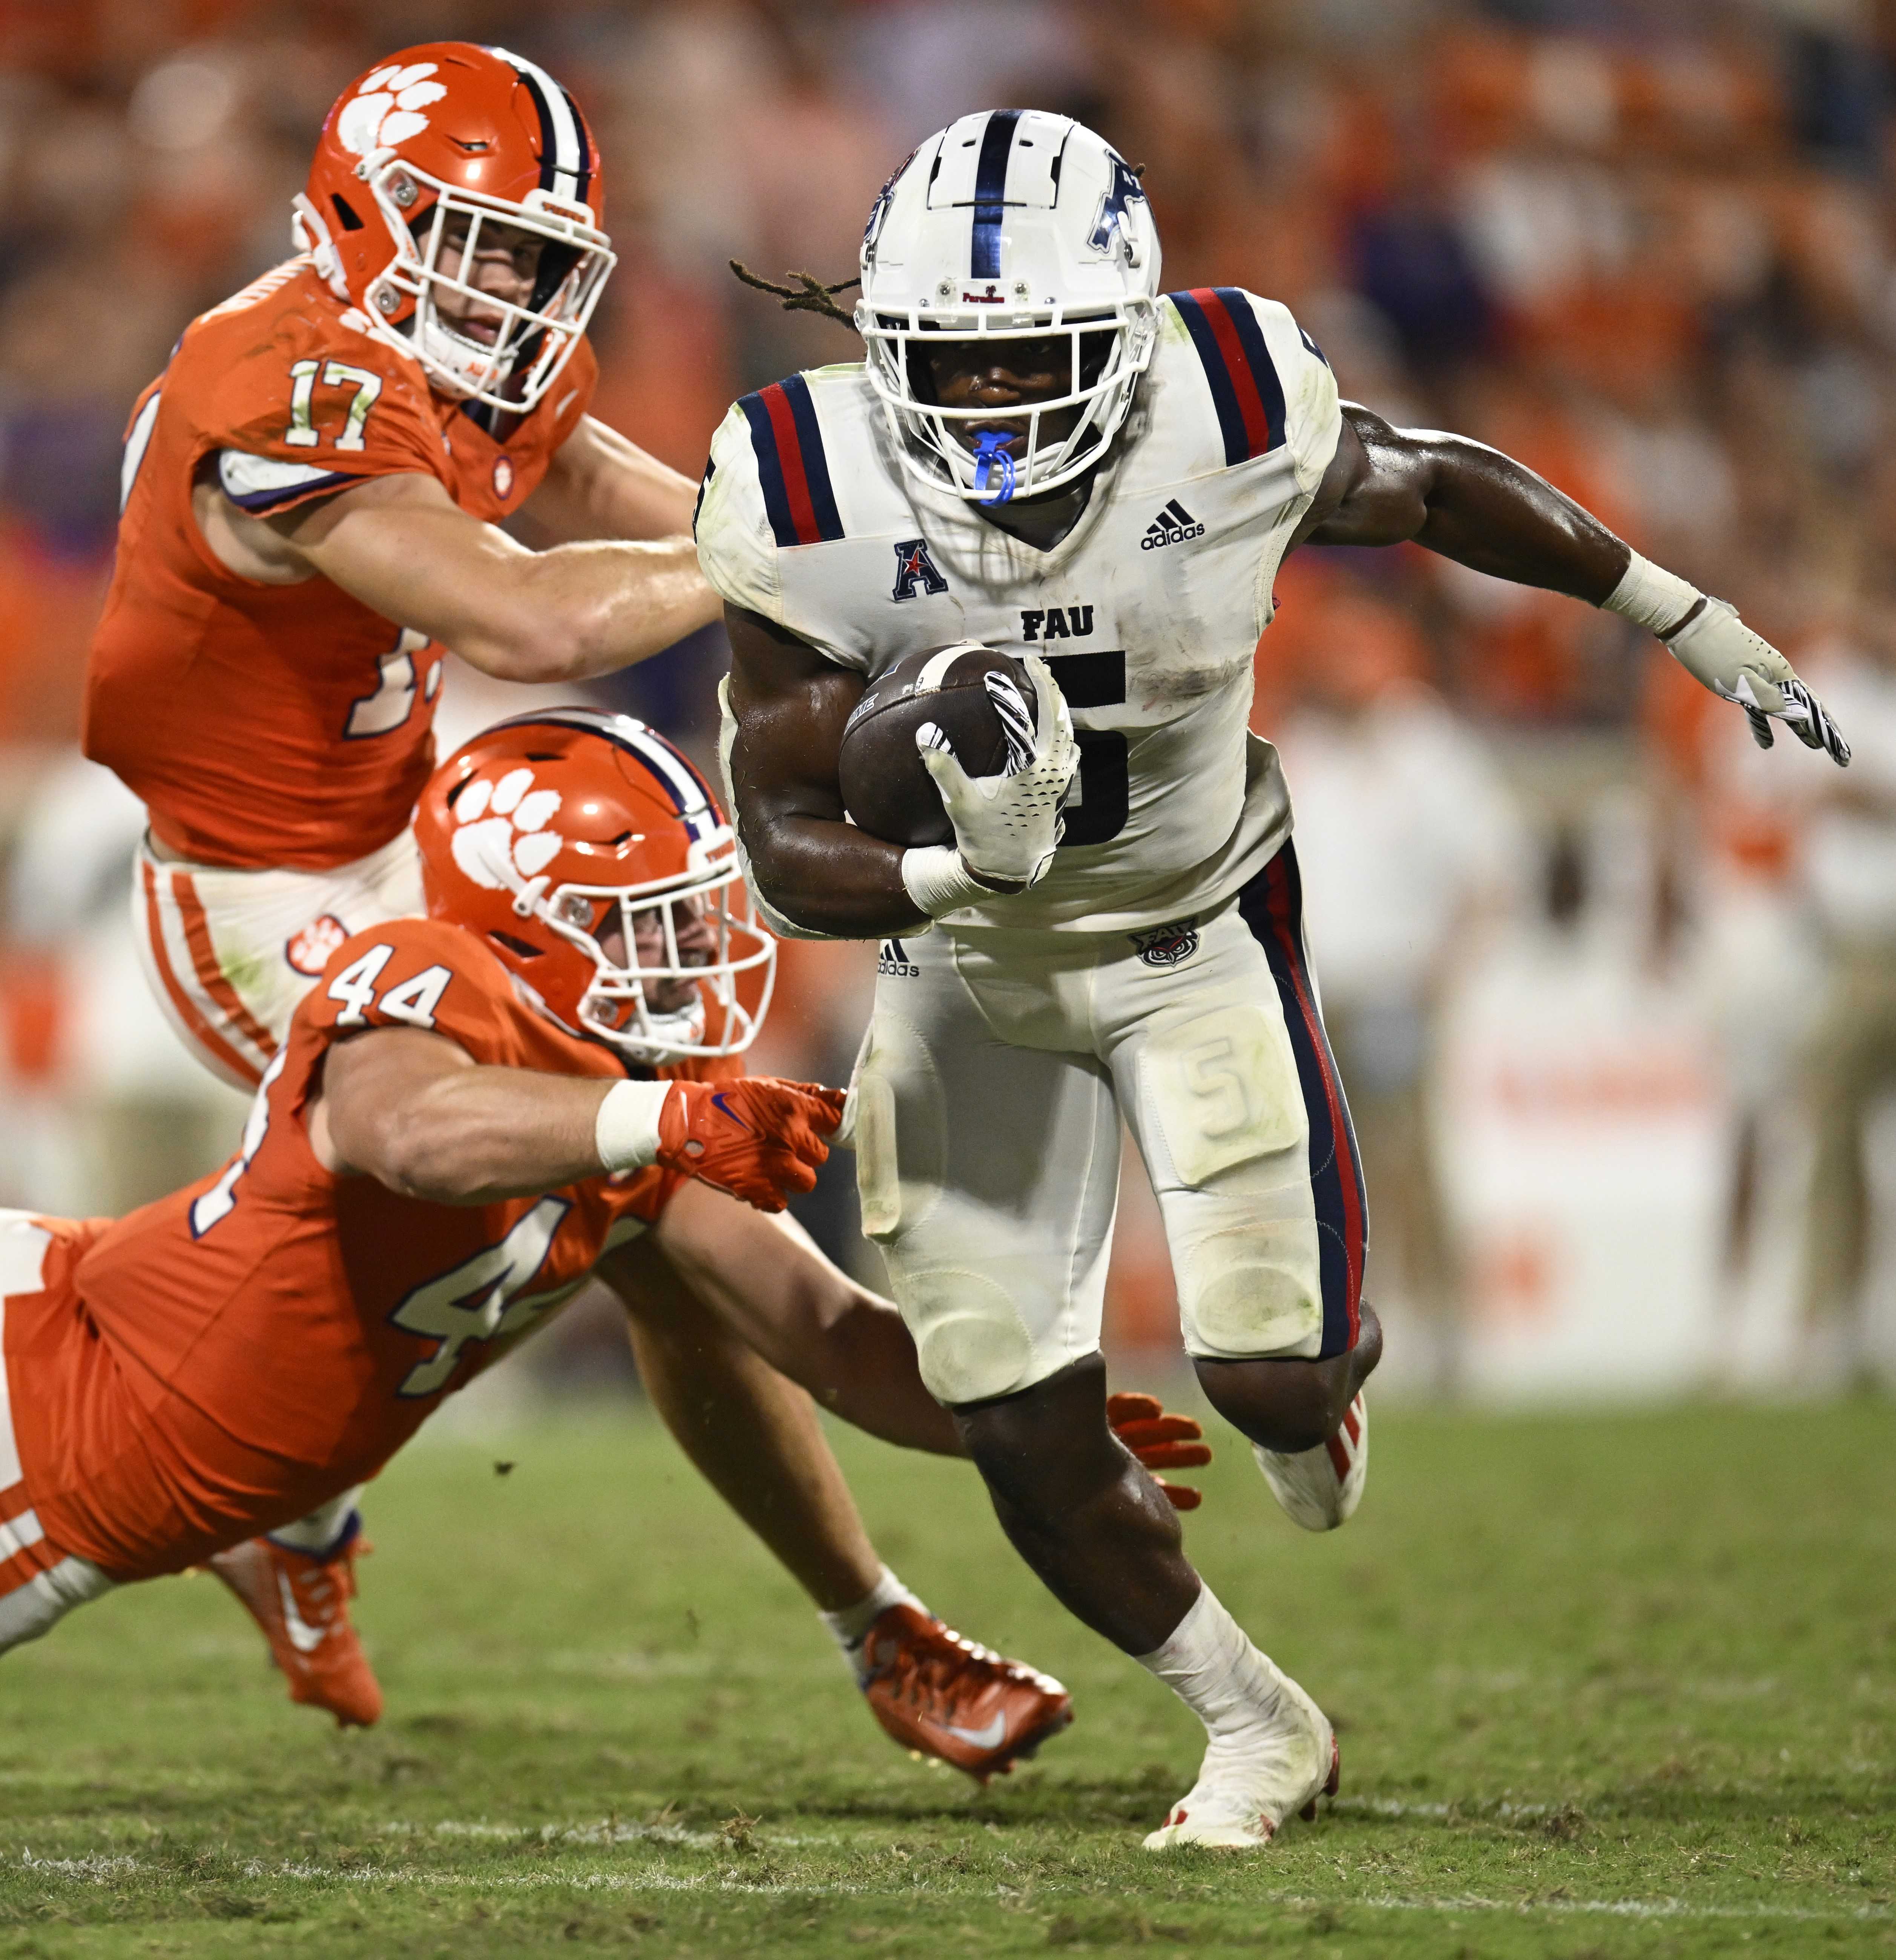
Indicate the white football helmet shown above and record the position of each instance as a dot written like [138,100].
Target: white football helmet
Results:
[1013,225]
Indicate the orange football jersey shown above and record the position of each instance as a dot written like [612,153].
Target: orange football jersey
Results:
[231,1357]
[285,726]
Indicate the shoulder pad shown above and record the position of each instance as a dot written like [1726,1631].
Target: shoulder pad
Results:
[417,973]
[736,548]
[289,379]
[1269,384]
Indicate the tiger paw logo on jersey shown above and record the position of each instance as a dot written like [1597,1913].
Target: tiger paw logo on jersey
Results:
[386,110]
[1168,945]
[502,839]
[308,950]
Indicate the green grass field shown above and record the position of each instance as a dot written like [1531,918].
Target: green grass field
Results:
[1605,1687]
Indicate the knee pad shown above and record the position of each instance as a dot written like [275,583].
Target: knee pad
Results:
[971,1343]
[1253,1290]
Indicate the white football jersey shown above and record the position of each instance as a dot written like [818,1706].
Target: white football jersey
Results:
[1148,611]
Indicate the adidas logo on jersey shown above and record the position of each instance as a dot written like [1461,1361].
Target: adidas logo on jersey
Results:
[1172,526]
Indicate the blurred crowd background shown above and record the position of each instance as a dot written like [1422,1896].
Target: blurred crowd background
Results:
[1614,994]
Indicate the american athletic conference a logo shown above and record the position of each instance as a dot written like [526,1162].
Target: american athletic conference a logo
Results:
[913,567]
[1168,945]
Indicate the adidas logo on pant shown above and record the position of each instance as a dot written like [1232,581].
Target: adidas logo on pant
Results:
[1171,527]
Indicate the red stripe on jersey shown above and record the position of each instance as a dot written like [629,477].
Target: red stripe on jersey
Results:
[1278,891]
[1339,1457]
[204,964]
[1250,400]
[796,476]
[207,1037]
[26,1564]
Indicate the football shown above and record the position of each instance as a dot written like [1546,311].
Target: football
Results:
[886,787]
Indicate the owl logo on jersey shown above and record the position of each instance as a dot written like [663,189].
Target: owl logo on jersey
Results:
[1168,946]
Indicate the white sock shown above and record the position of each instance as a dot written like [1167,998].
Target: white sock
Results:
[323,1530]
[1210,1664]
[849,1626]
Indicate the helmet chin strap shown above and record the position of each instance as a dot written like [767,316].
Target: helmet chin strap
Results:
[990,449]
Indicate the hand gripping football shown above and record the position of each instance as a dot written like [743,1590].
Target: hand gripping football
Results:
[886,787]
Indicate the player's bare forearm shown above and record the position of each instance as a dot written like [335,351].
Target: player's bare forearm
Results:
[790,705]
[611,605]
[1387,486]
[415,1112]
[600,485]
[767,1282]
[401,545]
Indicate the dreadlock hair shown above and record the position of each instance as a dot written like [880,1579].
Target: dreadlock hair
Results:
[808,294]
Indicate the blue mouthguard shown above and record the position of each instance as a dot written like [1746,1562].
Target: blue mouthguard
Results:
[989,449]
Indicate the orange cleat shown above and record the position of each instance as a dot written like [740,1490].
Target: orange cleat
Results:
[933,1691]
[302,1604]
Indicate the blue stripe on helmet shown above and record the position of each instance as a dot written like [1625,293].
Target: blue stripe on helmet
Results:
[990,192]
[680,781]
[689,794]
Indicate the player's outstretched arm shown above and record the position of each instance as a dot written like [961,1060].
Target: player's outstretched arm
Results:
[415,1112]
[768,1283]
[401,544]
[1387,486]
[600,484]
[790,705]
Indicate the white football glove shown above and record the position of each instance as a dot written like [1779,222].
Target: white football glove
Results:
[1007,826]
[1717,649]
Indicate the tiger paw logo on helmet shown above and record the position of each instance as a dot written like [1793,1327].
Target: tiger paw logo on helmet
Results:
[384,111]
[501,839]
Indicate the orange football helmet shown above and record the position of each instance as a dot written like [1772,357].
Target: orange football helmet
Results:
[553,833]
[439,135]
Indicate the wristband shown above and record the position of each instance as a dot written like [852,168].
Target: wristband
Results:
[1657,600]
[934,877]
[625,1130]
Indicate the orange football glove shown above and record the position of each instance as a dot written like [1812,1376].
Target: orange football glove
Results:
[757,1137]
[1160,1442]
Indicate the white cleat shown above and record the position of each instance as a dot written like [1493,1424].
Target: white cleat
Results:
[1320,1488]
[1248,1785]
